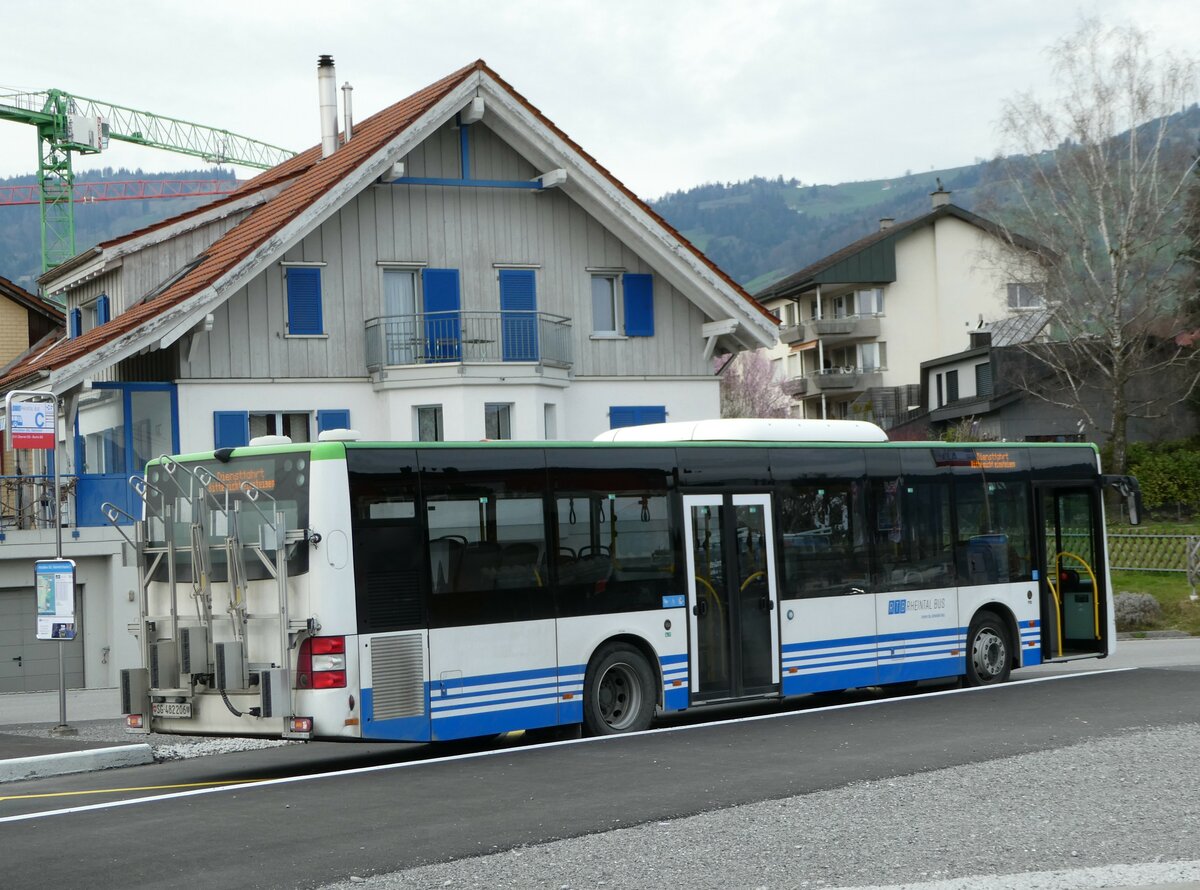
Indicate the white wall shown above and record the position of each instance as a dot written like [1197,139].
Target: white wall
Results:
[581,407]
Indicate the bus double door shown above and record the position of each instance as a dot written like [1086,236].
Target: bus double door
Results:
[732,599]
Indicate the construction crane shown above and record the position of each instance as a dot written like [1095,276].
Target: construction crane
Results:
[69,124]
[124,190]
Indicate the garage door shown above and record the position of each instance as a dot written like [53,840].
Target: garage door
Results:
[28,664]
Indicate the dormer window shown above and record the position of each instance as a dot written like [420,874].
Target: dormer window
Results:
[1025,296]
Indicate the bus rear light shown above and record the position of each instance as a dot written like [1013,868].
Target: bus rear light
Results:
[300,724]
[328,679]
[133,721]
[321,663]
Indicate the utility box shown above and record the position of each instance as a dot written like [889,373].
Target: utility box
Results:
[273,693]
[193,651]
[231,666]
[135,690]
[164,665]
[87,134]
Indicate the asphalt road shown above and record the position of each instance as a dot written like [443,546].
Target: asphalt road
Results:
[326,812]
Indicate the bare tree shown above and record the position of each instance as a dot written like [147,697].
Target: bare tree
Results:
[1096,176]
[749,388]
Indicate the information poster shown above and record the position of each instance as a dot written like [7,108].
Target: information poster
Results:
[54,581]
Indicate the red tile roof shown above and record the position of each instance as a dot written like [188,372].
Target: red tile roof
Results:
[311,177]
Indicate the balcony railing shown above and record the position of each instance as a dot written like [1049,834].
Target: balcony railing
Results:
[795,386]
[838,379]
[27,502]
[468,337]
[852,327]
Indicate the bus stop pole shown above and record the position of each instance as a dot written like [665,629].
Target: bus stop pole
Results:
[63,728]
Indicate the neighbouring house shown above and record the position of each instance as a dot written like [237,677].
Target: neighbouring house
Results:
[452,267]
[984,392]
[858,323]
[27,324]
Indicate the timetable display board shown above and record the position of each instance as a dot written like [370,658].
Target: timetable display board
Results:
[54,581]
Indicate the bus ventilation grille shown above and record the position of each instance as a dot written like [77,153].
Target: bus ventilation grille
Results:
[398,676]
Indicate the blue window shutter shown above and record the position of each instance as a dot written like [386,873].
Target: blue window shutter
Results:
[443,324]
[639,305]
[102,310]
[333,420]
[635,415]
[518,303]
[304,301]
[75,323]
[231,429]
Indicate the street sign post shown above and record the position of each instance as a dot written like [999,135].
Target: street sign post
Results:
[32,423]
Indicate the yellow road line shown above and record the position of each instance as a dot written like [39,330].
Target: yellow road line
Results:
[137,788]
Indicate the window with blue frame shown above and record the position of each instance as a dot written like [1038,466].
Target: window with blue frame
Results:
[118,428]
[304,314]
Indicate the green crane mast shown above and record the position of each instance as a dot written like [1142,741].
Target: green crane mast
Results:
[69,124]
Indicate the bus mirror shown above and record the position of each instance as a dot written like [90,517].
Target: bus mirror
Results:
[1129,490]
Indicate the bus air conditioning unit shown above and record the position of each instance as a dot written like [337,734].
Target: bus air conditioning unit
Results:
[231,666]
[164,665]
[193,651]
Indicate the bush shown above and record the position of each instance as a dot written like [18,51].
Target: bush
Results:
[1136,611]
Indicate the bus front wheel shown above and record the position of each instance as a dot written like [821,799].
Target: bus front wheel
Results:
[988,657]
[618,692]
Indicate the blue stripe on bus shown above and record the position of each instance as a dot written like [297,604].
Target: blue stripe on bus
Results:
[798,684]
[496,721]
[414,729]
[441,706]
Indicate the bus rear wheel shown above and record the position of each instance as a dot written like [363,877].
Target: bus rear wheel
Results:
[618,691]
[988,657]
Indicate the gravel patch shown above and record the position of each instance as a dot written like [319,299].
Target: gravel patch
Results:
[1111,812]
[164,747]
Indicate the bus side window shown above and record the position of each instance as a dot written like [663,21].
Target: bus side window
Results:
[824,545]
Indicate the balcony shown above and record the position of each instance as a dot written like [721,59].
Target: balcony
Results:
[833,380]
[843,330]
[796,387]
[792,333]
[468,337]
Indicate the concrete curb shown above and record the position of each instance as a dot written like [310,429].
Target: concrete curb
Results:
[19,768]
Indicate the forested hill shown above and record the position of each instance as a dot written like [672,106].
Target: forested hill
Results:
[762,229]
[20,225]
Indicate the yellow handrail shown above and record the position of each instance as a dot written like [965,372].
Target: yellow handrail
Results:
[1095,586]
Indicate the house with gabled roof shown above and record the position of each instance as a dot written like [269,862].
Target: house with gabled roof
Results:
[857,324]
[453,267]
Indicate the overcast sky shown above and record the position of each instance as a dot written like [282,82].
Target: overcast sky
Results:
[665,93]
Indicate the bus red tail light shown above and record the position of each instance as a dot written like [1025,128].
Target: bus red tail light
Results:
[321,663]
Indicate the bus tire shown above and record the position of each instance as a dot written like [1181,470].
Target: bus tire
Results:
[618,691]
[989,654]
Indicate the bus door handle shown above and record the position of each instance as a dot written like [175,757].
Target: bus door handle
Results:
[700,609]
[765,603]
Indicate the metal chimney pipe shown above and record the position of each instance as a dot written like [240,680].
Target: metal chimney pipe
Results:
[327,98]
[347,110]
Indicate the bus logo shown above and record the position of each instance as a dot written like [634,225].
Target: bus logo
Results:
[897,607]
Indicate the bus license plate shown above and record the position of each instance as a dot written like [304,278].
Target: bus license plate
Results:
[171,709]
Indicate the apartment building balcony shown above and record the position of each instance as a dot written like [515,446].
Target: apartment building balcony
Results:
[795,387]
[792,333]
[468,337]
[841,380]
[844,330]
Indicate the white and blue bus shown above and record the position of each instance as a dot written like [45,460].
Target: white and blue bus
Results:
[435,591]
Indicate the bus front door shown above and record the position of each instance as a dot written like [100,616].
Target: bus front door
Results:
[1071,571]
[732,599]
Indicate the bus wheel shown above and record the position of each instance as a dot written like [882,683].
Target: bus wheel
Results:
[988,657]
[618,692]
